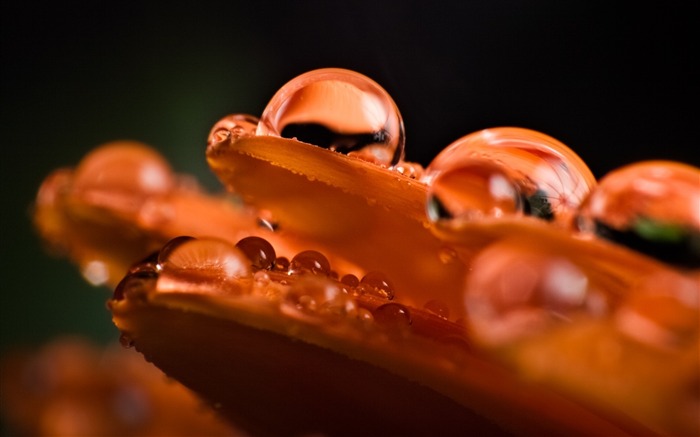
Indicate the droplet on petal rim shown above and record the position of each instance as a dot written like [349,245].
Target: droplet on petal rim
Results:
[652,207]
[203,266]
[340,110]
[516,290]
[231,128]
[551,178]
[473,190]
[122,173]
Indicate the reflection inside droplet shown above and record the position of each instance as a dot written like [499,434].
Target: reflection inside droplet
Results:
[470,191]
[340,110]
[550,178]
[203,265]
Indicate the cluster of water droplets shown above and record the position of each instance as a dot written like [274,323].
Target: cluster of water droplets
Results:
[305,285]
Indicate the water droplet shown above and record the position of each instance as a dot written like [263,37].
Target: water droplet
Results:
[550,178]
[447,255]
[516,290]
[281,264]
[122,174]
[259,251]
[340,110]
[171,245]
[378,284]
[125,340]
[411,170]
[392,315]
[652,207]
[231,128]
[311,293]
[309,261]
[204,265]
[438,307]
[350,280]
[136,283]
[475,189]
[663,310]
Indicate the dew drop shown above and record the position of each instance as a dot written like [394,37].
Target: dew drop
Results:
[125,340]
[122,174]
[392,315]
[551,179]
[652,207]
[231,128]
[350,280]
[312,293]
[204,265]
[309,261]
[259,251]
[438,307]
[516,290]
[378,284]
[663,310]
[340,110]
[136,283]
[281,264]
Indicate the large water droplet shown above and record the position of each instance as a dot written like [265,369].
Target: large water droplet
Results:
[259,251]
[652,207]
[551,178]
[203,265]
[340,110]
[122,174]
[516,290]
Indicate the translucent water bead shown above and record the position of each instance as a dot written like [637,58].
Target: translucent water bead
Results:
[340,110]
[204,265]
[232,127]
[517,288]
[550,179]
[121,174]
[652,207]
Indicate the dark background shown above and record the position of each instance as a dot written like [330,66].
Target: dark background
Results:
[612,80]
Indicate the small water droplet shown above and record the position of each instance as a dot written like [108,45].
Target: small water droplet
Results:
[136,283]
[311,293]
[309,261]
[392,315]
[340,110]
[447,255]
[377,284]
[281,264]
[259,251]
[231,128]
[125,340]
[438,307]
